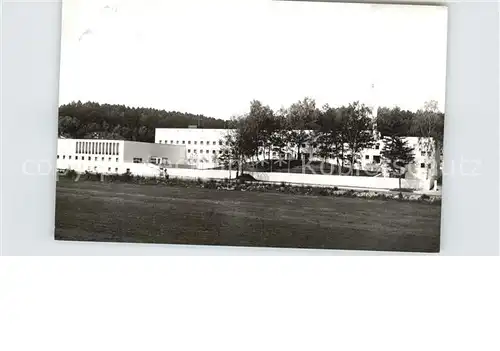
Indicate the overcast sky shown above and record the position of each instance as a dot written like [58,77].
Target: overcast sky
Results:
[214,57]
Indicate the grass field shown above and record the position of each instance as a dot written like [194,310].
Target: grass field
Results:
[94,211]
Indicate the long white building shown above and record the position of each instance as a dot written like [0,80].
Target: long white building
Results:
[200,148]
[204,145]
[117,156]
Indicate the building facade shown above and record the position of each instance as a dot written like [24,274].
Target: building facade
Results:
[117,156]
[203,146]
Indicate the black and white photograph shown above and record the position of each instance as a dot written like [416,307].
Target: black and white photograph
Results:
[252,123]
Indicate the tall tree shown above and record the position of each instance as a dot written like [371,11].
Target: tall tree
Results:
[302,118]
[394,121]
[328,136]
[261,122]
[241,141]
[279,135]
[398,155]
[357,129]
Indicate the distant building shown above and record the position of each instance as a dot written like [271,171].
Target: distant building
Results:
[203,147]
[200,148]
[117,156]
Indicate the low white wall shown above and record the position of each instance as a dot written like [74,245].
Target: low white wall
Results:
[143,169]
[306,179]
[185,173]
[336,180]
[139,169]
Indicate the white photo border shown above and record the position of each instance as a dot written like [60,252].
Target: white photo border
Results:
[29,102]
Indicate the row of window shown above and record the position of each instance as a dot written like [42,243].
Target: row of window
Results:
[201,151]
[375,147]
[189,142]
[89,158]
[97,148]
[109,169]
[376,158]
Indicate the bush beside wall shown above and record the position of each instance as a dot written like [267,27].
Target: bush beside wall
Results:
[241,185]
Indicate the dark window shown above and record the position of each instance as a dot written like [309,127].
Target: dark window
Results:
[128,170]
[69,157]
[189,142]
[58,157]
[137,160]
[377,146]
[109,169]
[76,157]
[189,151]
[109,159]
[422,165]
[195,142]
[117,159]
[303,145]
[214,143]
[208,151]
[177,142]
[376,159]
[159,141]
[171,141]
[64,157]
[96,158]
[183,141]
[220,142]
[116,169]
[90,158]
[102,159]
[367,157]
[422,153]
[201,142]
[213,151]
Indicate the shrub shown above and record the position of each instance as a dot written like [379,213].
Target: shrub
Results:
[126,177]
[211,184]
[403,190]
[324,192]
[71,173]
[246,178]
[424,197]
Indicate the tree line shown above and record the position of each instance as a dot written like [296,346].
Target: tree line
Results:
[339,133]
[91,120]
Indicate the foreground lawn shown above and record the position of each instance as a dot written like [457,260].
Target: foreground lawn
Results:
[93,211]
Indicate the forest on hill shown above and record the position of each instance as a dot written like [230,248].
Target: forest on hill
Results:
[91,120]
